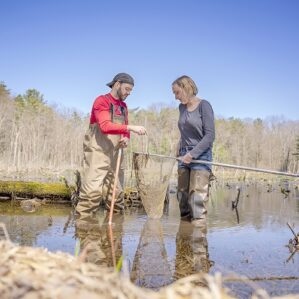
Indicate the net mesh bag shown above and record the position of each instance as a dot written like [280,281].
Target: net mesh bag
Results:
[152,174]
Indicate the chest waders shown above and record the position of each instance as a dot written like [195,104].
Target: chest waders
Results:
[193,192]
[99,165]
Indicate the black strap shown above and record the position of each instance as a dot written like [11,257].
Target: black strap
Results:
[122,109]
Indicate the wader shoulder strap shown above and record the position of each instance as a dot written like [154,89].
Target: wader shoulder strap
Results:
[111,109]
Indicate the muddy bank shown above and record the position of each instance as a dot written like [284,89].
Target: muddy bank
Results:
[20,190]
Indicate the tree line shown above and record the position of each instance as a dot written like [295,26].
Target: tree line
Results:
[37,136]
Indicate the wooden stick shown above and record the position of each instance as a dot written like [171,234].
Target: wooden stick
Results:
[236,201]
[114,185]
[228,165]
[296,237]
[112,245]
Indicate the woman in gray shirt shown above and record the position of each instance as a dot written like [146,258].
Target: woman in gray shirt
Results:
[196,125]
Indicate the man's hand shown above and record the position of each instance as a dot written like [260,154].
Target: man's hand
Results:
[123,142]
[140,130]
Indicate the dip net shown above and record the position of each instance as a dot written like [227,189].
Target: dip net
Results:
[152,174]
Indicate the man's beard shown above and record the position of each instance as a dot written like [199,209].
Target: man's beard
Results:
[120,95]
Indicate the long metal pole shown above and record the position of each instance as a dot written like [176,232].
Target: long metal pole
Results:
[229,165]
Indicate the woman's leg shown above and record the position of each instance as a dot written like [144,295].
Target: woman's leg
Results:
[199,193]
[183,191]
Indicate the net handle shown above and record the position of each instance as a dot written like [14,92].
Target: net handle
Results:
[230,166]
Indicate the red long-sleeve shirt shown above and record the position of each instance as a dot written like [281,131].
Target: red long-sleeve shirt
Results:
[101,115]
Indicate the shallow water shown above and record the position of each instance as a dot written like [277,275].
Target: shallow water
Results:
[250,243]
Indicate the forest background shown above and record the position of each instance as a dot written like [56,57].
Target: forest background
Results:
[41,140]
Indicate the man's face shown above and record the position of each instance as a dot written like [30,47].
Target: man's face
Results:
[123,90]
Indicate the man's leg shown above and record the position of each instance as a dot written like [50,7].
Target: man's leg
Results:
[95,168]
[109,183]
[107,193]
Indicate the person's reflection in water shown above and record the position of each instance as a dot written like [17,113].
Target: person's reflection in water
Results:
[192,249]
[95,239]
[150,266]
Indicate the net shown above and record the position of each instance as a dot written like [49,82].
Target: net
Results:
[152,174]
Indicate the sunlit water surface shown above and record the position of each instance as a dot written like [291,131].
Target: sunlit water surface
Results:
[250,242]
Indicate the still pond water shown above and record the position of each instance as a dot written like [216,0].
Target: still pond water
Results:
[247,242]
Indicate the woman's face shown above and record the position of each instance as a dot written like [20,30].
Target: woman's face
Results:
[180,94]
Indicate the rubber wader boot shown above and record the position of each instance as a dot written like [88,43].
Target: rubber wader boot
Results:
[183,191]
[198,193]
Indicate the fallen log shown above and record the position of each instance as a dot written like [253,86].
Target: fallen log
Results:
[55,192]
[16,190]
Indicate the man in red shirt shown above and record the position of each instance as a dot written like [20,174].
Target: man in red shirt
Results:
[108,131]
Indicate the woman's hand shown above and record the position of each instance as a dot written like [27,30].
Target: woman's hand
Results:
[177,153]
[187,158]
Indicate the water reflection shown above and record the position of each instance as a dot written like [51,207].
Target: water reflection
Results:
[100,243]
[191,249]
[151,268]
[41,228]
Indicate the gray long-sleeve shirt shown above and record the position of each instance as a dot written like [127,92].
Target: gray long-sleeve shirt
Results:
[197,128]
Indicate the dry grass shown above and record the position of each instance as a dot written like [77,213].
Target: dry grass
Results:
[35,273]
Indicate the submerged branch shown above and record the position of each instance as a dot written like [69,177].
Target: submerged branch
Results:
[243,279]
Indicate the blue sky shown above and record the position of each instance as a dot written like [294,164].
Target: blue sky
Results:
[243,55]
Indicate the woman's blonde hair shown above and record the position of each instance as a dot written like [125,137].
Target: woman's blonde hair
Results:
[187,84]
